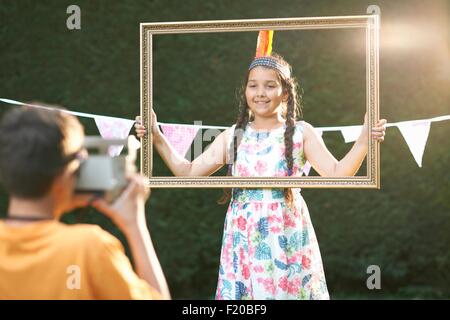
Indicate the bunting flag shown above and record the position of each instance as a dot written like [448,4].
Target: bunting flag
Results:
[351,133]
[180,137]
[416,136]
[109,127]
[113,128]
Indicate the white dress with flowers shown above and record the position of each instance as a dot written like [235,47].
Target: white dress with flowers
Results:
[269,251]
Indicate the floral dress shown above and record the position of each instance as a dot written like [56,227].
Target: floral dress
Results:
[269,251]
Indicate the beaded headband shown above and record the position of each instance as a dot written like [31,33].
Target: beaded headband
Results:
[263,52]
[270,62]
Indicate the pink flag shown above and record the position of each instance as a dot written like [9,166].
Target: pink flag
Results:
[180,136]
[113,128]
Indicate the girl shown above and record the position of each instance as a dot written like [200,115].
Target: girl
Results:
[269,247]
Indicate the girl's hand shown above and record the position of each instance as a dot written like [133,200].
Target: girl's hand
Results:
[140,129]
[378,131]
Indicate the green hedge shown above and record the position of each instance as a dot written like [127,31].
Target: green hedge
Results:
[404,227]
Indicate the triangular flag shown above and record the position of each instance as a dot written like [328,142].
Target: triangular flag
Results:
[415,135]
[113,128]
[307,166]
[180,137]
[351,133]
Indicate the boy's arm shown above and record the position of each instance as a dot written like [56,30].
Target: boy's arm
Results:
[145,259]
[128,213]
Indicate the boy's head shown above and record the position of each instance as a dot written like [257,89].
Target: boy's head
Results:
[36,148]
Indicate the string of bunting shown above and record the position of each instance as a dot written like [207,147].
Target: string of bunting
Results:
[180,136]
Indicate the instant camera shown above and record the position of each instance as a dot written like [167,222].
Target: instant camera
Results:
[104,175]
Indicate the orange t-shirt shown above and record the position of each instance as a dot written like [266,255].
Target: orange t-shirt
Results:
[51,260]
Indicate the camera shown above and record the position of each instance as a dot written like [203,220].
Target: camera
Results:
[104,175]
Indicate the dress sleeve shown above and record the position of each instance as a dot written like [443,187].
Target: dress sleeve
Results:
[299,155]
[111,273]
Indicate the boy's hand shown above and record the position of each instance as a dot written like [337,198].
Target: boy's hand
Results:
[129,209]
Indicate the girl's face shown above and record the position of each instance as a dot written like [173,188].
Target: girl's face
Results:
[264,92]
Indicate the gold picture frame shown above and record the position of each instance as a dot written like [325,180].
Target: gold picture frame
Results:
[368,22]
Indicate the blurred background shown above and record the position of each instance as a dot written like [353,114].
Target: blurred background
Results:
[404,228]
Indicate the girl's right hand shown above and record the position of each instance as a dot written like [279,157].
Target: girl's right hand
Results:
[140,129]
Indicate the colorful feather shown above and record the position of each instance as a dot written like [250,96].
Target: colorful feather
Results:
[264,45]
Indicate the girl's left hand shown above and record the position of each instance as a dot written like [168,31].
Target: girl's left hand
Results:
[378,131]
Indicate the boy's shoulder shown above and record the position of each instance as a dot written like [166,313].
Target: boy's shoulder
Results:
[89,235]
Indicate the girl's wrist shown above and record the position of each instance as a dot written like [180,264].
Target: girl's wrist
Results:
[363,141]
[156,136]
[363,138]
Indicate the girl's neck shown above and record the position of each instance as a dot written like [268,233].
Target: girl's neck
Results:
[267,123]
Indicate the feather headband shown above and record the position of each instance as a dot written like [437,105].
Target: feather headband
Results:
[263,56]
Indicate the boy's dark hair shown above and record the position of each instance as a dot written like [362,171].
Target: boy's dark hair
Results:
[32,150]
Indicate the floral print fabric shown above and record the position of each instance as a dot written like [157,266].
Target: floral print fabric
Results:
[269,251]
